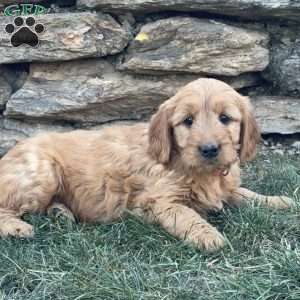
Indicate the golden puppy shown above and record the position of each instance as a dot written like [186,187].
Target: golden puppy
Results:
[171,171]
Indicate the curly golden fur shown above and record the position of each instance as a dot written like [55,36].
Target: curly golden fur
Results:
[174,170]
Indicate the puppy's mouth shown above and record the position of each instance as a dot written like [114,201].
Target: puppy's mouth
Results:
[220,168]
[224,171]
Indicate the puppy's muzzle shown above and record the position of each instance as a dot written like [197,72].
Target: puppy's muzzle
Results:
[209,151]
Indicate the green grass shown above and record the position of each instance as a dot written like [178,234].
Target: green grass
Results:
[132,260]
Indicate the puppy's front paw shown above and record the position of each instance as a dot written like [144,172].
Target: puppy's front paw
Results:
[209,240]
[16,228]
[281,202]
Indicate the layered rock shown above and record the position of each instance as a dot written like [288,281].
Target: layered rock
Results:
[277,114]
[67,36]
[92,91]
[192,45]
[252,9]
[71,86]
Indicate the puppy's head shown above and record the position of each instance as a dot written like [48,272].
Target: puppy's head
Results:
[207,125]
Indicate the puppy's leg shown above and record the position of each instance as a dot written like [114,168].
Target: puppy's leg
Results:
[241,195]
[28,183]
[160,201]
[184,223]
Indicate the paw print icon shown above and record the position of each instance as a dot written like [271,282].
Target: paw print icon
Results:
[24,31]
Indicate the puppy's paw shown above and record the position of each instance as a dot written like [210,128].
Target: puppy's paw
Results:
[16,228]
[209,240]
[281,202]
[59,210]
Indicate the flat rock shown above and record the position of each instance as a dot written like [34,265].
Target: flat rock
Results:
[13,131]
[277,114]
[92,91]
[192,45]
[252,9]
[67,36]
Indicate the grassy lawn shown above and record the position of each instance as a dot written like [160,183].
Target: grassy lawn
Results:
[131,260]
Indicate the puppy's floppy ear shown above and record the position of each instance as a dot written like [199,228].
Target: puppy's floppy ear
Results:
[250,134]
[160,135]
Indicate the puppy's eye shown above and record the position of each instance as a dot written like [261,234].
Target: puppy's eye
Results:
[188,121]
[224,119]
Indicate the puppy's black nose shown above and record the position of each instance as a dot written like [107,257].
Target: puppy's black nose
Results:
[209,150]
